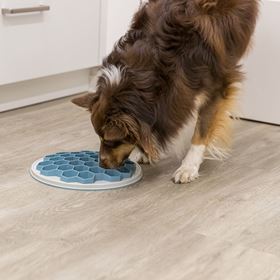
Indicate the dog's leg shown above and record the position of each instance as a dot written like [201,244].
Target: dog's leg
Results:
[212,135]
[188,171]
[138,156]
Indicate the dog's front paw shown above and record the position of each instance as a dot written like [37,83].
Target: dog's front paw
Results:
[138,156]
[185,174]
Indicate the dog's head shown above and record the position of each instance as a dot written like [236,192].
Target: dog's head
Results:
[115,118]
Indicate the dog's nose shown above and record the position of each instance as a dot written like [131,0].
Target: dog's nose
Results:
[102,158]
[103,162]
[107,164]
[103,165]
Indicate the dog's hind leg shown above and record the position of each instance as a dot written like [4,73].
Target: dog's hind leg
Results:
[212,135]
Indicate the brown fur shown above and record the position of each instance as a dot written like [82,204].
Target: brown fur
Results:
[174,51]
[214,122]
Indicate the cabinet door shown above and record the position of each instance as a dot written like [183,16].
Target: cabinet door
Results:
[63,39]
[262,94]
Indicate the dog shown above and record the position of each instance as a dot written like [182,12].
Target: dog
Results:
[179,59]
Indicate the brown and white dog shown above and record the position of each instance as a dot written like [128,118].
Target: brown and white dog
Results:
[179,58]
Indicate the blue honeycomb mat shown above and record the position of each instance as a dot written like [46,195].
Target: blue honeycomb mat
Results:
[81,171]
[82,167]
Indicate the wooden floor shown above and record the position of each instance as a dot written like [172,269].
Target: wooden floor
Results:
[224,226]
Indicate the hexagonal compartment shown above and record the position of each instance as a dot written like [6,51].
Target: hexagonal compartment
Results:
[85,159]
[76,162]
[130,166]
[50,170]
[97,170]
[69,176]
[114,175]
[65,167]
[75,153]
[51,156]
[61,162]
[81,168]
[70,158]
[86,177]
[99,173]
[91,163]
[125,172]
[70,173]
[55,158]
[93,155]
[49,167]
[42,164]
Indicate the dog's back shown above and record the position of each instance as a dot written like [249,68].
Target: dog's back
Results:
[205,38]
[230,21]
[225,26]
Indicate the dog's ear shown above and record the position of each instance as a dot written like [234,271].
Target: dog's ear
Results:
[85,101]
[141,132]
[147,143]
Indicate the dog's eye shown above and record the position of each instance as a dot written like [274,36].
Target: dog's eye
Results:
[111,144]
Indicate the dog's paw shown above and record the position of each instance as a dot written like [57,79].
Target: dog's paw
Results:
[185,174]
[138,156]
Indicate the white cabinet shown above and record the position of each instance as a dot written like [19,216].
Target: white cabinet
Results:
[262,93]
[63,39]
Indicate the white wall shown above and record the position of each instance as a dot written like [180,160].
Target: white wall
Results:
[261,99]
[119,15]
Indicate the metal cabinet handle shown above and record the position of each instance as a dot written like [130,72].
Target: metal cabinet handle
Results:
[41,8]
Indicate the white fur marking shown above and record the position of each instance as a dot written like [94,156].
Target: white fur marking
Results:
[200,100]
[143,3]
[216,153]
[137,156]
[188,171]
[179,145]
[112,74]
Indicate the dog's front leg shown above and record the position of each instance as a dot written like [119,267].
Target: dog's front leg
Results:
[212,134]
[138,156]
[188,171]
